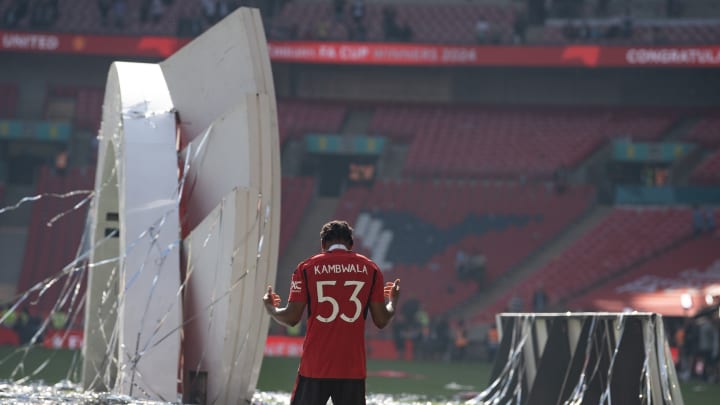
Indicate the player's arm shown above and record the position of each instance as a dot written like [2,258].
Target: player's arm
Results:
[290,315]
[382,313]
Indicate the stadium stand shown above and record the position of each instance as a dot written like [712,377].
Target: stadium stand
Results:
[432,23]
[427,21]
[438,22]
[695,254]
[504,222]
[84,16]
[59,242]
[297,193]
[652,33]
[624,238]
[297,118]
[509,141]
[8,100]
[454,22]
[706,132]
[81,105]
[708,171]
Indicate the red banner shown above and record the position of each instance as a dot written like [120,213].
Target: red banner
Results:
[283,346]
[8,336]
[110,45]
[390,54]
[447,55]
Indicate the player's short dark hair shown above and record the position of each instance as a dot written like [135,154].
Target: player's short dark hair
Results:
[337,232]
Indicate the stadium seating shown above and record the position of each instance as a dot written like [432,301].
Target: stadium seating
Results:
[697,253]
[50,248]
[297,118]
[8,100]
[432,23]
[708,171]
[706,132]
[437,22]
[653,10]
[626,236]
[678,32]
[83,16]
[504,222]
[296,194]
[85,104]
[508,141]
[352,203]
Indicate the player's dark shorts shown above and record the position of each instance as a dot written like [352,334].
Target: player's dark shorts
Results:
[316,391]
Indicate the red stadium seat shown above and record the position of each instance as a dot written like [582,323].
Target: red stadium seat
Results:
[87,109]
[706,132]
[297,118]
[510,142]
[297,193]
[8,100]
[695,254]
[682,32]
[50,248]
[623,238]
[708,171]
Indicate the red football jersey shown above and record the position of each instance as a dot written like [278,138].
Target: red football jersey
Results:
[338,287]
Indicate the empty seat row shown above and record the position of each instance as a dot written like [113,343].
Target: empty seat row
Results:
[8,101]
[80,104]
[622,240]
[296,195]
[506,141]
[297,118]
[706,132]
[669,270]
[708,171]
[660,34]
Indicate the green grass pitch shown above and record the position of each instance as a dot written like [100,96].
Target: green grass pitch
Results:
[278,374]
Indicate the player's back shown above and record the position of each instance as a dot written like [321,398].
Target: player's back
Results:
[338,286]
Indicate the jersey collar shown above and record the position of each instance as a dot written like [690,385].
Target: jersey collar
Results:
[337,246]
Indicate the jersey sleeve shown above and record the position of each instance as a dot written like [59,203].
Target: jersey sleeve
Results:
[298,289]
[377,289]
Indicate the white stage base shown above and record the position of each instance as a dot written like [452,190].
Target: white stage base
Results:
[220,87]
[139,148]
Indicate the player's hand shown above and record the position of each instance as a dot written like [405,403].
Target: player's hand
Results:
[392,289]
[270,298]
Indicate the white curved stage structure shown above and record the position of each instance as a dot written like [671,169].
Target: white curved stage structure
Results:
[185,221]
